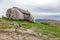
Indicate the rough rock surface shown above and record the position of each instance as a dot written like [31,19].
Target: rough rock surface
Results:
[18,13]
[24,34]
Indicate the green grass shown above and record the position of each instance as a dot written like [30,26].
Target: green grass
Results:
[4,23]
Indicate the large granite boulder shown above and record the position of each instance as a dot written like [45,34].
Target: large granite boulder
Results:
[18,13]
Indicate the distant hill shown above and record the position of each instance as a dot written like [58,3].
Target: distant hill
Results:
[39,20]
[50,22]
[51,17]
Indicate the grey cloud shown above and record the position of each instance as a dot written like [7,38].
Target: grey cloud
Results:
[1,1]
[43,9]
[30,5]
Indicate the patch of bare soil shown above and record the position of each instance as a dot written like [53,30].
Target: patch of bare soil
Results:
[24,34]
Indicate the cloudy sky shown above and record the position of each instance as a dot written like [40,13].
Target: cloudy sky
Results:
[36,7]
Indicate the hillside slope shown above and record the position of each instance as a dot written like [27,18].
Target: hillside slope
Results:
[22,30]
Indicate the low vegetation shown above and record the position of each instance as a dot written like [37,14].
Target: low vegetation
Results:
[4,23]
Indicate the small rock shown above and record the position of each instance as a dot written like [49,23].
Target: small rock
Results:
[15,24]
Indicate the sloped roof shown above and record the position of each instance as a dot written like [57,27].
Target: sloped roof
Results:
[23,11]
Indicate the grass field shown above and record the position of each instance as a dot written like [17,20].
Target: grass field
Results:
[4,23]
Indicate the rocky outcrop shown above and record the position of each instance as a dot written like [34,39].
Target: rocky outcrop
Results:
[25,34]
[18,13]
